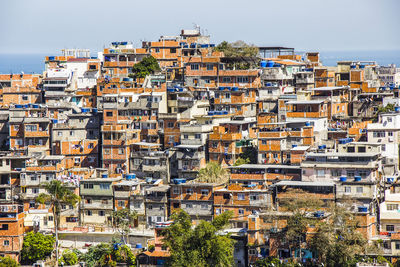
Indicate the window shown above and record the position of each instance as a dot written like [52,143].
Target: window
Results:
[389,228]
[350,173]
[89,213]
[109,114]
[16,127]
[242,79]
[88,186]
[31,128]
[189,191]
[35,190]
[241,211]
[32,204]
[107,151]
[392,206]
[19,142]
[347,189]
[4,227]
[6,243]
[263,141]
[361,149]
[176,190]
[226,79]
[197,136]
[204,206]
[217,211]
[336,172]
[240,196]
[59,133]
[194,66]
[204,192]
[320,173]
[121,203]
[185,136]
[227,196]
[170,125]
[227,95]
[51,218]
[210,66]
[397,245]
[253,197]
[359,189]
[172,50]
[90,146]
[383,147]
[71,133]
[189,206]
[121,151]
[77,160]
[252,252]
[104,186]
[157,50]
[214,144]
[102,213]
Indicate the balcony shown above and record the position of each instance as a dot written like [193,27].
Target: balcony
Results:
[304,114]
[97,205]
[122,194]
[37,133]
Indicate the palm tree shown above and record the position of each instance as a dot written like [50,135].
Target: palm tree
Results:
[57,194]
[213,173]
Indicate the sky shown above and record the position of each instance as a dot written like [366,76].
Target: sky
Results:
[47,26]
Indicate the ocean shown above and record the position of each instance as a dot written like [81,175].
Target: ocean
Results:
[34,63]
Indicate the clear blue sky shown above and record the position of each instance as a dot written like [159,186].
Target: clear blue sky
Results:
[46,26]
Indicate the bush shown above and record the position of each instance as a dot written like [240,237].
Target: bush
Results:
[68,258]
[8,262]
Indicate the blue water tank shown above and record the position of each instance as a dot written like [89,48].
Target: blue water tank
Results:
[362,209]
[263,64]
[139,245]
[390,180]
[35,106]
[308,123]
[320,147]
[221,88]
[94,110]
[397,108]
[52,58]
[294,145]
[18,106]
[104,175]
[357,178]
[169,89]
[353,66]
[270,64]
[210,113]
[84,110]
[323,146]
[130,176]
[343,178]
[54,121]
[235,88]
[225,112]
[362,66]
[277,65]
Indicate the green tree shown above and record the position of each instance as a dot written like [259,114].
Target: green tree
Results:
[36,247]
[124,220]
[68,258]
[241,161]
[57,194]
[337,241]
[237,49]
[213,173]
[109,254]
[8,262]
[125,255]
[199,246]
[147,66]
[249,154]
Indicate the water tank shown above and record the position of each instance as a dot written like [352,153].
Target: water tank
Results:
[263,64]
[130,176]
[353,66]
[18,106]
[54,121]
[362,209]
[396,109]
[104,175]
[225,112]
[390,180]
[35,106]
[308,123]
[210,113]
[139,245]
[235,88]
[221,88]
[270,64]
[343,178]
[362,66]
[357,178]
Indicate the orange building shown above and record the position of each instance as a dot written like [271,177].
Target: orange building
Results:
[11,230]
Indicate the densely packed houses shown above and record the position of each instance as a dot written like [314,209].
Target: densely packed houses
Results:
[123,141]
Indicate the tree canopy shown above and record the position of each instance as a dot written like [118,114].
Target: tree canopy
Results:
[199,246]
[147,66]
[213,173]
[124,220]
[237,49]
[36,247]
[108,254]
